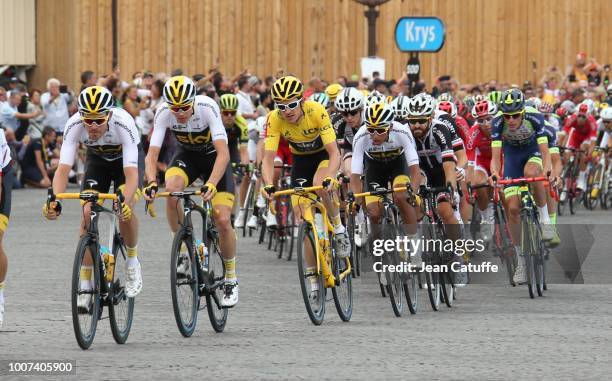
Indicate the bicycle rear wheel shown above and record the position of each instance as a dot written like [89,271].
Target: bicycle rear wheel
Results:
[350,230]
[343,291]
[120,307]
[184,283]
[311,279]
[448,287]
[215,276]
[85,322]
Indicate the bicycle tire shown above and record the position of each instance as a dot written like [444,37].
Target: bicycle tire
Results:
[447,287]
[528,250]
[247,207]
[185,326]
[504,244]
[605,193]
[120,307]
[306,234]
[432,278]
[86,338]
[411,291]
[216,272]
[395,284]
[262,227]
[538,258]
[290,232]
[344,306]
[350,229]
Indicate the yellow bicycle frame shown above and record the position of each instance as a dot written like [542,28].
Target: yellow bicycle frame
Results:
[307,202]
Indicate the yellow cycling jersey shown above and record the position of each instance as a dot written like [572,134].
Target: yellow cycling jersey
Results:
[308,136]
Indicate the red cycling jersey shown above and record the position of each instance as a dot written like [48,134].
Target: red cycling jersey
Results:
[478,149]
[579,132]
[463,128]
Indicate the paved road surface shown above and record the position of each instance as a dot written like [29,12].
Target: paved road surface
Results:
[494,332]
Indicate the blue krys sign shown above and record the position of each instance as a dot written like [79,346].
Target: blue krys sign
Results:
[419,34]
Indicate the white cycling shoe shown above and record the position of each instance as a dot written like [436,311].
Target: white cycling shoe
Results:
[520,275]
[461,279]
[239,221]
[84,302]
[261,201]
[270,220]
[133,284]
[252,222]
[230,294]
[343,245]
[548,232]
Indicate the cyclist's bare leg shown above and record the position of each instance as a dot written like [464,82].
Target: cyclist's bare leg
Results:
[227,237]
[464,207]
[535,170]
[407,212]
[483,195]
[174,216]
[446,213]
[332,205]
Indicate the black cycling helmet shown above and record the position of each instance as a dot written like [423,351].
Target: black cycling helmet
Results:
[512,101]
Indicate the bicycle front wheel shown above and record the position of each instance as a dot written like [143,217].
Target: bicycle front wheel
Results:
[311,279]
[411,290]
[216,276]
[85,317]
[343,291]
[184,283]
[528,252]
[120,307]
[395,283]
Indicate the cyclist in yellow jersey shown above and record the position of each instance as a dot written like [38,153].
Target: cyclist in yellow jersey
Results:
[307,128]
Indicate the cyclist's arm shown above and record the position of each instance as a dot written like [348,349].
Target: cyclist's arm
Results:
[334,158]
[268,167]
[272,134]
[70,145]
[130,139]
[496,145]
[160,125]
[462,160]
[357,164]
[412,160]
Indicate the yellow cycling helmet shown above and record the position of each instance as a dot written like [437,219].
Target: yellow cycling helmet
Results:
[95,100]
[228,102]
[333,90]
[286,88]
[379,114]
[179,91]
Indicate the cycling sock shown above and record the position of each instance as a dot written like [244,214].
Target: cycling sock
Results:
[518,252]
[132,255]
[336,220]
[230,269]
[553,218]
[85,277]
[544,214]
[1,292]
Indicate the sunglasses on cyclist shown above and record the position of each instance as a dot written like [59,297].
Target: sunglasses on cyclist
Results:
[377,130]
[484,120]
[90,119]
[351,113]
[181,108]
[228,113]
[289,106]
[513,116]
[414,121]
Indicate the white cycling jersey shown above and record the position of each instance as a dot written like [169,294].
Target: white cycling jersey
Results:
[400,142]
[203,128]
[5,152]
[120,140]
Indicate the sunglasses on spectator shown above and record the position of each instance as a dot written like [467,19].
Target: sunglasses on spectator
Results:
[351,113]
[516,115]
[229,113]
[181,108]
[414,121]
[484,120]
[377,130]
[289,106]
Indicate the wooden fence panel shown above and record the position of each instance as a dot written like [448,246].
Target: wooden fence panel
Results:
[485,40]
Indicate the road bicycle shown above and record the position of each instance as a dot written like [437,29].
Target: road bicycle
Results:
[107,265]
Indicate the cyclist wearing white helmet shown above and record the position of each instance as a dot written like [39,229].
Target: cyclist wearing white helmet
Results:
[436,156]
[384,153]
[605,119]
[400,108]
[349,104]
[114,155]
[202,152]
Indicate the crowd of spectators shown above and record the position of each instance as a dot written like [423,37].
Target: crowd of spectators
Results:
[33,119]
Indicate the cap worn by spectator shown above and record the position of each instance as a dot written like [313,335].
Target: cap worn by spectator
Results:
[253,80]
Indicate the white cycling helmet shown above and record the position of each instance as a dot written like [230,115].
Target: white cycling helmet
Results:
[421,105]
[349,99]
[569,106]
[400,107]
[590,104]
[534,102]
[375,97]
[606,113]
[445,97]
